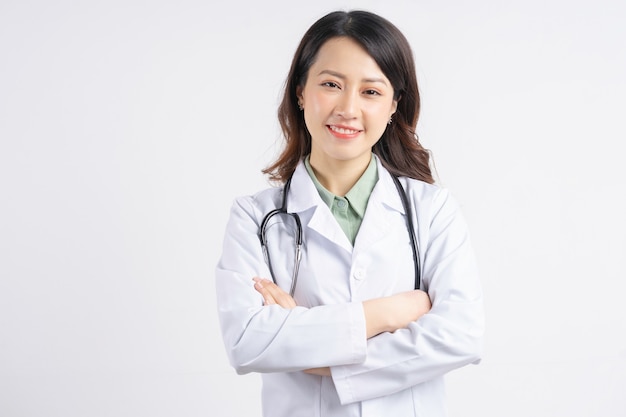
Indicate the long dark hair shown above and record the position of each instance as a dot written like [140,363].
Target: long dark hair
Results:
[398,148]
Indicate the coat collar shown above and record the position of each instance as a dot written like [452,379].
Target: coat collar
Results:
[303,196]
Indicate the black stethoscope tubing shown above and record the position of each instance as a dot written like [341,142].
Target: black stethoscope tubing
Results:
[298,239]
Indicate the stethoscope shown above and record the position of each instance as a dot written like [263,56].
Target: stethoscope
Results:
[282,210]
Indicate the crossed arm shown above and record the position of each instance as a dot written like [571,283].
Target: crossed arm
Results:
[384,314]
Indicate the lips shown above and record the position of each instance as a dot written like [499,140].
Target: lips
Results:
[343,131]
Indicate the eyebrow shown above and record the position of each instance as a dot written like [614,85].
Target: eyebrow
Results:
[343,77]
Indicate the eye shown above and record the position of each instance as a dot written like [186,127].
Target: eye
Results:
[330,84]
[371,93]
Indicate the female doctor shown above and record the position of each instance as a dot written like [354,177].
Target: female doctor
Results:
[320,287]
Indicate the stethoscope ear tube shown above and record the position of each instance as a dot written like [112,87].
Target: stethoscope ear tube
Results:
[299,235]
[298,244]
[262,238]
[411,230]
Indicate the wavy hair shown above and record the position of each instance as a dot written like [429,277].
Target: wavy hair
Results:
[398,148]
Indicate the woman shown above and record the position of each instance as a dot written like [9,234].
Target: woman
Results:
[357,321]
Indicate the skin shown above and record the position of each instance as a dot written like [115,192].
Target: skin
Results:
[384,314]
[347,102]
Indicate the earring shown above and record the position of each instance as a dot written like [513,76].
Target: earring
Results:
[300,106]
[390,120]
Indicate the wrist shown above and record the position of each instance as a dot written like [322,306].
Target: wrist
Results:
[379,316]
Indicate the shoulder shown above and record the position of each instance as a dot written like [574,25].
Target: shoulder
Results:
[421,188]
[418,190]
[257,204]
[419,193]
[432,198]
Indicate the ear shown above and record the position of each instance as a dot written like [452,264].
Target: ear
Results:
[394,107]
[299,95]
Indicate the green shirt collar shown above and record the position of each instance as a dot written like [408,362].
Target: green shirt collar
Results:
[358,195]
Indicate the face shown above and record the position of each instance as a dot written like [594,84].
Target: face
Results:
[347,103]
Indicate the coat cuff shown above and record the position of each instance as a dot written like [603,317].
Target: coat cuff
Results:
[340,373]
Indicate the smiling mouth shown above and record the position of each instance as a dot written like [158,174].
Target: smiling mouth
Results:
[343,130]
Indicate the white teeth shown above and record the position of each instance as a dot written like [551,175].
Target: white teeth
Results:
[342,130]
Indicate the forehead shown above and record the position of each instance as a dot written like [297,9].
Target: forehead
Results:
[344,54]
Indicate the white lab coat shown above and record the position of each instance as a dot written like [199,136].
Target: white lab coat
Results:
[392,374]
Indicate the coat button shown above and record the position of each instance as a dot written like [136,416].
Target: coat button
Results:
[359,274]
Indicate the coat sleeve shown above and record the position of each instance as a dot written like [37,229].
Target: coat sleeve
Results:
[446,338]
[261,338]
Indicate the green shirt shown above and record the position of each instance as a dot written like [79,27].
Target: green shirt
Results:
[350,209]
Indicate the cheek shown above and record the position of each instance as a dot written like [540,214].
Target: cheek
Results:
[318,103]
[315,112]
[378,115]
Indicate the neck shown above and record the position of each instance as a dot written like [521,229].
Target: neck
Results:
[338,177]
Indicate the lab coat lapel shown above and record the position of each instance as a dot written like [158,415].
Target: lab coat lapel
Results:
[303,197]
[376,222]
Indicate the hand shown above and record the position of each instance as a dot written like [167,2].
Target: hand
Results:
[411,306]
[272,293]
[388,314]
[318,371]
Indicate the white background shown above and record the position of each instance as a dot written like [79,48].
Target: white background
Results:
[127,128]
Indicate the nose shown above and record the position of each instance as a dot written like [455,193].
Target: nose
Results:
[348,104]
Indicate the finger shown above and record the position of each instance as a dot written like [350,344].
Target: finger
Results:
[325,371]
[268,299]
[278,294]
[273,293]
